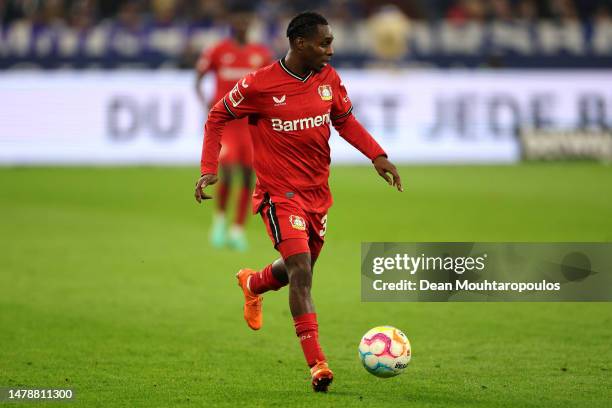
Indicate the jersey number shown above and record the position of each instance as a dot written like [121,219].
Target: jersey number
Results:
[324,225]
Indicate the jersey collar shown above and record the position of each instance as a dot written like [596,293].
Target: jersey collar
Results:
[296,76]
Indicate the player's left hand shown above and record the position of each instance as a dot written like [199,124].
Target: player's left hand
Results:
[205,180]
[383,166]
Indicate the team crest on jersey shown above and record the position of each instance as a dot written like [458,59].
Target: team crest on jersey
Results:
[236,96]
[297,222]
[325,92]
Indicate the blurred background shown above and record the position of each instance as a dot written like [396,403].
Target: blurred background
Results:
[455,81]
[436,33]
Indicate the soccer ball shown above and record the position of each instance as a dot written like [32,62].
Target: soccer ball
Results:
[384,351]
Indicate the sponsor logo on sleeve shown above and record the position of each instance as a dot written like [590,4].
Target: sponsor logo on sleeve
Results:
[235,96]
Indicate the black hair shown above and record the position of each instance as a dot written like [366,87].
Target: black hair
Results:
[305,24]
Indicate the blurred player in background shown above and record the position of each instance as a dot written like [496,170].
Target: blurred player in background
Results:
[231,60]
[290,105]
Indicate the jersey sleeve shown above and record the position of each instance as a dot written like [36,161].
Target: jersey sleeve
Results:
[241,101]
[347,125]
[341,103]
[237,103]
[211,146]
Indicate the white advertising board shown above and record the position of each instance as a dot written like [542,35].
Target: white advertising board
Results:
[153,117]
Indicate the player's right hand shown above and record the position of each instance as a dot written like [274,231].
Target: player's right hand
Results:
[203,182]
[384,166]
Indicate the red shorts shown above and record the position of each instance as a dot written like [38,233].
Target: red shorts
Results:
[236,145]
[293,230]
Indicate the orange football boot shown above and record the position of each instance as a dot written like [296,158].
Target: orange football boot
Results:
[322,376]
[252,303]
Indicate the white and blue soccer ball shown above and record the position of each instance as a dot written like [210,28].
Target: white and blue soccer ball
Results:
[385,351]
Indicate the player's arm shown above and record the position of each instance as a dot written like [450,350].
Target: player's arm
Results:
[237,103]
[353,132]
[217,118]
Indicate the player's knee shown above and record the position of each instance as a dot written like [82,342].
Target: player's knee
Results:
[300,281]
[300,273]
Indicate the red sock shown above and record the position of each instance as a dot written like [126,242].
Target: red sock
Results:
[242,208]
[222,193]
[307,330]
[264,281]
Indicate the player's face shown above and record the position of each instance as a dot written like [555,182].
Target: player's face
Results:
[318,49]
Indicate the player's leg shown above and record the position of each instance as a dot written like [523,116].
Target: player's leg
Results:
[300,282]
[218,235]
[299,270]
[321,375]
[237,237]
[279,271]
[255,283]
[283,224]
[299,256]
[287,227]
[274,276]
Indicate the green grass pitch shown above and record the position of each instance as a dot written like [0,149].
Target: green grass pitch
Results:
[108,286]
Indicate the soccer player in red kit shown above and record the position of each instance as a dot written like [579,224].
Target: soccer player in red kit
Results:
[230,60]
[290,106]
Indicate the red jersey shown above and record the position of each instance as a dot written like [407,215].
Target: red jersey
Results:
[289,118]
[230,62]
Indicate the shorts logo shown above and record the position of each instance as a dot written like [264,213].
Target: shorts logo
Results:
[297,222]
[325,92]
[235,96]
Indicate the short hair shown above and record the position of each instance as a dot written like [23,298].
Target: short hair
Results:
[305,25]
